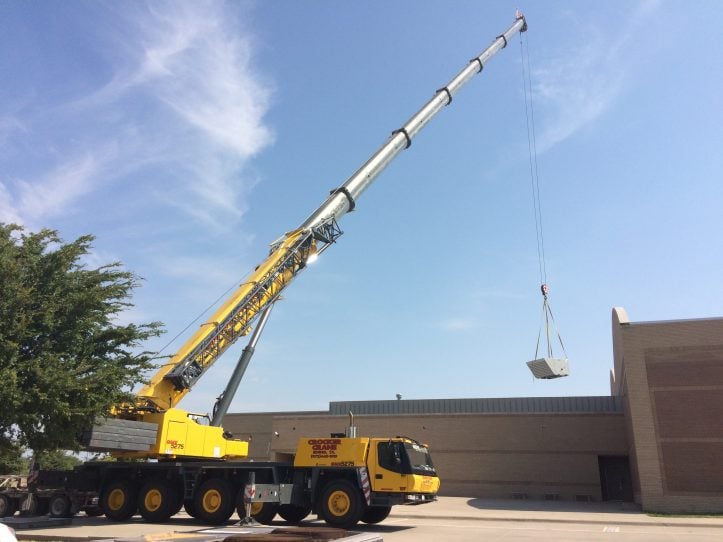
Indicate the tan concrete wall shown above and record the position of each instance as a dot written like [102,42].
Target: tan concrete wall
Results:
[257,428]
[672,376]
[480,455]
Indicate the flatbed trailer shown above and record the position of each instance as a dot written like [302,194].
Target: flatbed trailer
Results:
[44,492]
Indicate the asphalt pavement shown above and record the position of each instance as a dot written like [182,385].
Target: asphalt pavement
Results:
[465,508]
[448,509]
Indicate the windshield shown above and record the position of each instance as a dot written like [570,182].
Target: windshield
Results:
[419,459]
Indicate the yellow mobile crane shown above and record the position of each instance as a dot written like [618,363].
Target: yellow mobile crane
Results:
[344,478]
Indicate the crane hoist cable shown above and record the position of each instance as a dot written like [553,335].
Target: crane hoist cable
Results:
[549,320]
[548,366]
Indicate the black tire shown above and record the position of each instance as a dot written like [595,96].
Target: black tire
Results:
[43,506]
[156,501]
[293,514]
[178,504]
[190,508]
[93,511]
[341,504]
[60,506]
[119,500]
[375,514]
[214,501]
[263,512]
[8,506]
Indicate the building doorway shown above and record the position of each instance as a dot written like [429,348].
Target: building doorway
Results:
[616,483]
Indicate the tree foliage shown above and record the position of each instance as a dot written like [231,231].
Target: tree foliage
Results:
[16,460]
[11,458]
[56,459]
[64,356]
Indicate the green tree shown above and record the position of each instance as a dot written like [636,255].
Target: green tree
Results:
[56,459]
[64,355]
[11,458]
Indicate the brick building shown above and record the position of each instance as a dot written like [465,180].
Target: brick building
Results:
[657,439]
[669,376]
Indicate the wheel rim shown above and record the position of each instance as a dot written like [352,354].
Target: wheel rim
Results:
[153,500]
[211,501]
[116,499]
[57,506]
[339,503]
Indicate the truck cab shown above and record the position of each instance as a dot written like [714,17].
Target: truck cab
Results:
[401,471]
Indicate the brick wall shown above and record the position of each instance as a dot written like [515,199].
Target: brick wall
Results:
[671,374]
[477,455]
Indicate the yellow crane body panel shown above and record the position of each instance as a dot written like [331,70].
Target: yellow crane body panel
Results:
[331,452]
[182,436]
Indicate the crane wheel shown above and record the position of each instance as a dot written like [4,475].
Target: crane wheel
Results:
[341,504]
[156,501]
[293,514]
[43,506]
[375,514]
[190,508]
[119,500]
[178,502]
[8,506]
[214,501]
[93,511]
[60,506]
[263,512]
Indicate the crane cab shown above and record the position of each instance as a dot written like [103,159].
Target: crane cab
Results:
[402,465]
[400,469]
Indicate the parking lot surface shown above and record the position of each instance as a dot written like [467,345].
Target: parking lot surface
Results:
[450,518]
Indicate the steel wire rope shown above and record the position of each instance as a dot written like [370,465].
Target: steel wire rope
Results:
[547,315]
[532,149]
[200,315]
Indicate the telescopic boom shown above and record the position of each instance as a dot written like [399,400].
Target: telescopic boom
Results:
[290,254]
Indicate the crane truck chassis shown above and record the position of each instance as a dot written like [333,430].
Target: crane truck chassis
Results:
[166,460]
[343,479]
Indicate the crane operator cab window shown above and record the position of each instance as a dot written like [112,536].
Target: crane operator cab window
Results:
[405,458]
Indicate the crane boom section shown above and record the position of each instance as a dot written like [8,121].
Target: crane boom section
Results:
[342,200]
[230,321]
[289,255]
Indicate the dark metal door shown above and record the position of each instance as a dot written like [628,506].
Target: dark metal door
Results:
[615,480]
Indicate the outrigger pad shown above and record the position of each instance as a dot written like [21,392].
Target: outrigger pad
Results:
[549,367]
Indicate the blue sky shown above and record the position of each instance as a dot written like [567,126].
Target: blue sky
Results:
[187,136]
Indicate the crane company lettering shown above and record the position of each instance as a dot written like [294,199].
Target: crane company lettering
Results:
[175,445]
[323,447]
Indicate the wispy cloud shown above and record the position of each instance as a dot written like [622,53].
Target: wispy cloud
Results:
[486,293]
[8,125]
[182,110]
[8,212]
[457,324]
[226,271]
[54,192]
[206,77]
[573,89]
